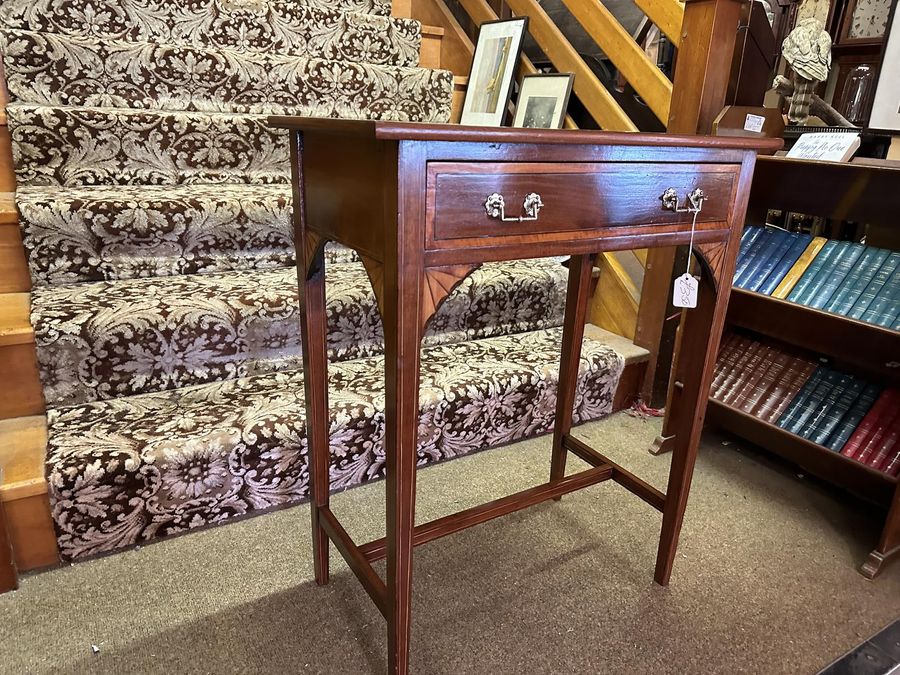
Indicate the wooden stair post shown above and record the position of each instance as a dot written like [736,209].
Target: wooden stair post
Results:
[705,50]
[9,578]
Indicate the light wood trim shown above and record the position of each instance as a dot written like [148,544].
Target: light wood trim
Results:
[430,48]
[31,531]
[641,73]
[15,327]
[23,448]
[21,393]
[668,15]
[401,8]
[456,46]
[614,306]
[590,91]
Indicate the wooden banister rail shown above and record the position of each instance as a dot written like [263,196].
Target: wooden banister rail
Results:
[634,64]
[668,15]
[588,88]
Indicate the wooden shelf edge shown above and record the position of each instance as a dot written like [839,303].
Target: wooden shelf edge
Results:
[817,331]
[863,481]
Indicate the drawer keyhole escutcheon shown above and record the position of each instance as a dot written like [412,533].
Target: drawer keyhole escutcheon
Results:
[495,207]
[693,203]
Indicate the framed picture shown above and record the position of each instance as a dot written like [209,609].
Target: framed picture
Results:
[543,100]
[493,69]
[885,113]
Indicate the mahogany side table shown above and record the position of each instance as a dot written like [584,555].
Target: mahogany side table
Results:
[424,205]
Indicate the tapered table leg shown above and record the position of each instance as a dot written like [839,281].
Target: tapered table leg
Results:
[577,297]
[698,346]
[402,329]
[313,328]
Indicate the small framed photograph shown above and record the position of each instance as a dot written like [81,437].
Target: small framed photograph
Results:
[543,100]
[885,113]
[493,70]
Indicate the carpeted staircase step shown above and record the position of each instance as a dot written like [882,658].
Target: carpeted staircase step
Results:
[103,340]
[106,146]
[280,27]
[85,71]
[246,21]
[80,234]
[134,469]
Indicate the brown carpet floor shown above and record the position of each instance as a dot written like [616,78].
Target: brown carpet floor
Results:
[765,582]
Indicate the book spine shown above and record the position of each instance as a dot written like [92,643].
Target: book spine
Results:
[820,261]
[799,243]
[828,281]
[813,401]
[737,373]
[882,455]
[852,419]
[881,277]
[793,412]
[886,303]
[838,411]
[856,281]
[798,269]
[748,241]
[874,440]
[821,414]
[786,390]
[783,241]
[892,466]
[868,425]
[750,370]
[725,350]
[769,376]
[756,256]
[729,361]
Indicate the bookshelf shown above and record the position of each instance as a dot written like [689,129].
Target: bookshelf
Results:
[860,192]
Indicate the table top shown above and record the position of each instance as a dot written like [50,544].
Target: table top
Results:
[413,131]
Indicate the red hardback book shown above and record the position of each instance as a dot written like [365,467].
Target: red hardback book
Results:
[725,361]
[739,373]
[769,375]
[888,447]
[753,370]
[892,466]
[734,360]
[787,386]
[870,424]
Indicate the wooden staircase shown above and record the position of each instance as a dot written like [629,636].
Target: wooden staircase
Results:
[618,307]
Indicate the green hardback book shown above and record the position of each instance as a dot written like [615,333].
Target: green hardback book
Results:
[749,237]
[845,428]
[813,401]
[821,412]
[792,412]
[829,277]
[881,277]
[856,281]
[821,261]
[838,411]
[886,304]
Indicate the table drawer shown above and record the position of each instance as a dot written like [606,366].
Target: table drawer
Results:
[576,196]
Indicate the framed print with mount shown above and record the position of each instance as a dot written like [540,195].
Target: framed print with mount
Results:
[543,100]
[885,113]
[493,70]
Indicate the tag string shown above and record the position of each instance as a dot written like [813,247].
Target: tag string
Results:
[691,245]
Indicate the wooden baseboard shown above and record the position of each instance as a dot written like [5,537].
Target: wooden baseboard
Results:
[629,389]
[9,577]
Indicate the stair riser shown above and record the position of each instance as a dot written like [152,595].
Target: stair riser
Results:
[72,146]
[237,449]
[97,342]
[63,70]
[77,235]
[295,30]
[258,24]
[77,146]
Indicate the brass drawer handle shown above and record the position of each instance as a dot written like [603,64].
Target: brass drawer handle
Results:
[693,204]
[495,207]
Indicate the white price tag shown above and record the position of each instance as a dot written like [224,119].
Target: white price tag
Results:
[754,122]
[685,293]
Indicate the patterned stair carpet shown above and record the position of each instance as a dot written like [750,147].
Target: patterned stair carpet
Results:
[155,208]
